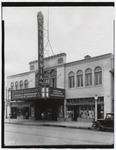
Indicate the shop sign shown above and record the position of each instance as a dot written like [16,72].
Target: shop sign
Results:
[26,93]
[57,93]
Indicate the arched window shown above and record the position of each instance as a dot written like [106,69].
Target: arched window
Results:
[71,80]
[88,77]
[16,85]
[79,78]
[21,84]
[46,77]
[12,85]
[53,78]
[26,84]
[98,76]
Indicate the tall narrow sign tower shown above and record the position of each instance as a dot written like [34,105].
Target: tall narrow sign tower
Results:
[40,21]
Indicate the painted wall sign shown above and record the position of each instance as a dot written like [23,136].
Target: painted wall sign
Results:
[26,93]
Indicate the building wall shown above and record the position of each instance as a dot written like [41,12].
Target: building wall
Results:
[60,77]
[101,90]
[62,72]
[49,62]
[30,76]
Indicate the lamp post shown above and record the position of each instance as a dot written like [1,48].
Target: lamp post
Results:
[96,98]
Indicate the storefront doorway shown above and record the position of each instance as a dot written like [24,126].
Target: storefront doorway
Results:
[14,112]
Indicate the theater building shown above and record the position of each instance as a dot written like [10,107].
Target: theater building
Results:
[78,83]
[55,90]
[27,99]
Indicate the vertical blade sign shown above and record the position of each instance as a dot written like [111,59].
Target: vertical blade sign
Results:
[40,48]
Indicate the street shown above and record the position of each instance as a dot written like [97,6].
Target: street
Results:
[23,135]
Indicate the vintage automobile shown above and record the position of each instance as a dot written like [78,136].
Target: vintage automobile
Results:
[104,124]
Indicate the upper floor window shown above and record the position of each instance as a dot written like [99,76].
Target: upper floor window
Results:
[79,78]
[98,76]
[60,60]
[46,77]
[26,84]
[16,85]
[53,78]
[12,85]
[71,80]
[21,84]
[32,67]
[88,77]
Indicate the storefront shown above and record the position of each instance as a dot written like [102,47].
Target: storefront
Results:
[83,109]
[31,104]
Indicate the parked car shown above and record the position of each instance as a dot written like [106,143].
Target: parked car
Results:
[104,124]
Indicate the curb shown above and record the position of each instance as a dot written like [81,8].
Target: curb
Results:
[52,125]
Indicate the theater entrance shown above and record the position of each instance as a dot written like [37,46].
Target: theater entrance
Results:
[48,110]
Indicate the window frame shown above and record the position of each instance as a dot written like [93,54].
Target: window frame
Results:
[12,85]
[26,84]
[79,76]
[16,85]
[71,79]
[98,76]
[88,77]
[21,84]
[53,81]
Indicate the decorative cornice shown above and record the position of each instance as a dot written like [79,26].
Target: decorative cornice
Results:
[21,74]
[91,59]
[50,57]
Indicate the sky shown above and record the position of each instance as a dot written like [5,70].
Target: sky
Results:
[76,31]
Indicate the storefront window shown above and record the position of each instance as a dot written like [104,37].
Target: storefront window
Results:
[86,111]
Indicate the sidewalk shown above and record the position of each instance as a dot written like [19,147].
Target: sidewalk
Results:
[65,124]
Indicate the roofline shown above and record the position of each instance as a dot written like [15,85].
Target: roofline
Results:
[29,72]
[20,74]
[50,57]
[96,58]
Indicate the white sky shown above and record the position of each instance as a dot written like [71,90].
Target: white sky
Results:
[77,31]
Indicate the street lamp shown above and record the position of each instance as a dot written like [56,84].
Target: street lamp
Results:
[96,97]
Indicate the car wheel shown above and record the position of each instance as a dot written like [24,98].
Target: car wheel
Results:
[96,127]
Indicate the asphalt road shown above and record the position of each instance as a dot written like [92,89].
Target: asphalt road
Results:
[23,135]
